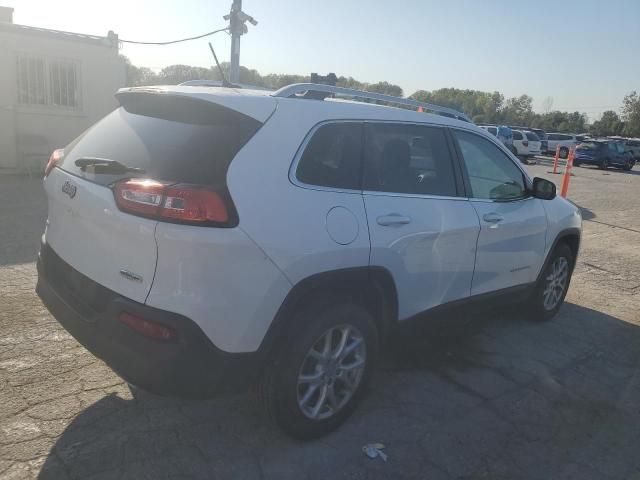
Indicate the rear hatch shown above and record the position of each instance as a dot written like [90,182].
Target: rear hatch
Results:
[169,139]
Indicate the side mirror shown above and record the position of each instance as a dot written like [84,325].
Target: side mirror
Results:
[543,189]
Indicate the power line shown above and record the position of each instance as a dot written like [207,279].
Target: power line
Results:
[176,41]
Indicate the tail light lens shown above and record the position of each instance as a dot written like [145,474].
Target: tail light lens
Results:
[181,203]
[148,328]
[54,159]
[525,143]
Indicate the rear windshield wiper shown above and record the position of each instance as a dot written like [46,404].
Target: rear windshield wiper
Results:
[103,165]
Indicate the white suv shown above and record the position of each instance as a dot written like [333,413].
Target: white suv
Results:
[564,140]
[201,240]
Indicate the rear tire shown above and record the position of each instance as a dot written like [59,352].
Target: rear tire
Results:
[311,389]
[552,286]
[604,164]
[628,166]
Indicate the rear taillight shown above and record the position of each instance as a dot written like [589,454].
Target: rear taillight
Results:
[54,159]
[182,203]
[525,143]
[148,328]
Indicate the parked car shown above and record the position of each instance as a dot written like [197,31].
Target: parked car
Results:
[565,141]
[542,135]
[604,154]
[632,145]
[527,143]
[200,240]
[503,133]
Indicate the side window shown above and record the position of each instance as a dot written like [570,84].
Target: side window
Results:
[620,147]
[492,174]
[517,135]
[612,147]
[408,159]
[493,130]
[552,136]
[333,157]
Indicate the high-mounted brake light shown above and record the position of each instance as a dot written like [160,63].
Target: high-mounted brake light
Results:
[54,159]
[184,203]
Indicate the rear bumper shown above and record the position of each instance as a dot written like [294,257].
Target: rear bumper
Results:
[190,367]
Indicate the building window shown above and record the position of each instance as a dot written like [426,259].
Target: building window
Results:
[48,82]
[31,81]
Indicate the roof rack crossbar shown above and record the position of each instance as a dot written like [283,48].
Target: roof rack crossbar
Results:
[299,88]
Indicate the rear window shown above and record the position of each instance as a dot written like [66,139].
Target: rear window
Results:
[169,138]
[532,136]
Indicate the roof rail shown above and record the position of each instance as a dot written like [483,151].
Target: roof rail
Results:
[308,89]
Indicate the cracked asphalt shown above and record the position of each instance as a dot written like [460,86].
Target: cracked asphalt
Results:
[484,396]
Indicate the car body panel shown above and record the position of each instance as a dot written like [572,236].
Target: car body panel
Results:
[87,230]
[431,258]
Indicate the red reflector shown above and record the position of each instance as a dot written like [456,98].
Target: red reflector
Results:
[54,159]
[525,143]
[148,328]
[193,203]
[141,196]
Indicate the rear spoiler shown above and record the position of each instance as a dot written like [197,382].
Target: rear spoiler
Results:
[201,99]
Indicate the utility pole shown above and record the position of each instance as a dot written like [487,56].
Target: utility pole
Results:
[237,27]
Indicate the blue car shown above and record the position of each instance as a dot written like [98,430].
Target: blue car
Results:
[604,154]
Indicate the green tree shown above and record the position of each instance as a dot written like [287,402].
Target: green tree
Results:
[174,74]
[136,76]
[518,111]
[631,114]
[609,124]
[385,88]
[480,106]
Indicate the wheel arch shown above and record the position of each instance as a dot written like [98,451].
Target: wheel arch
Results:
[569,236]
[371,287]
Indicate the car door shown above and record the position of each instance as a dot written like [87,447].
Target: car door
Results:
[421,229]
[513,225]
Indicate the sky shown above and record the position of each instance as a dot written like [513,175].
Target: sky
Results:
[583,54]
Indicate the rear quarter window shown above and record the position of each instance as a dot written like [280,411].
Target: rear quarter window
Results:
[333,157]
[532,136]
[517,135]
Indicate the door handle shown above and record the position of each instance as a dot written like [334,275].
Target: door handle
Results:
[492,217]
[393,219]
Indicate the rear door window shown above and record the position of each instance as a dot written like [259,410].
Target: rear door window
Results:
[333,157]
[411,159]
[167,138]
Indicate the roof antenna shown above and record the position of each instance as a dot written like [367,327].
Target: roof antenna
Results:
[225,82]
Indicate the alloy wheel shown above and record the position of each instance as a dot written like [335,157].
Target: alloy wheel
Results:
[556,283]
[331,372]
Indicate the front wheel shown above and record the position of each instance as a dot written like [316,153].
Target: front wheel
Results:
[629,165]
[552,285]
[323,371]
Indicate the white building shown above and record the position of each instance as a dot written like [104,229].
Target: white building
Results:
[53,86]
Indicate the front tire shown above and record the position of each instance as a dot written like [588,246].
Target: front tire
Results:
[552,286]
[323,371]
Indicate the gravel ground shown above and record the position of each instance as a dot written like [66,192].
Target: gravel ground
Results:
[487,396]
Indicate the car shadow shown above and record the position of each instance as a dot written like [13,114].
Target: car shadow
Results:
[479,395]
